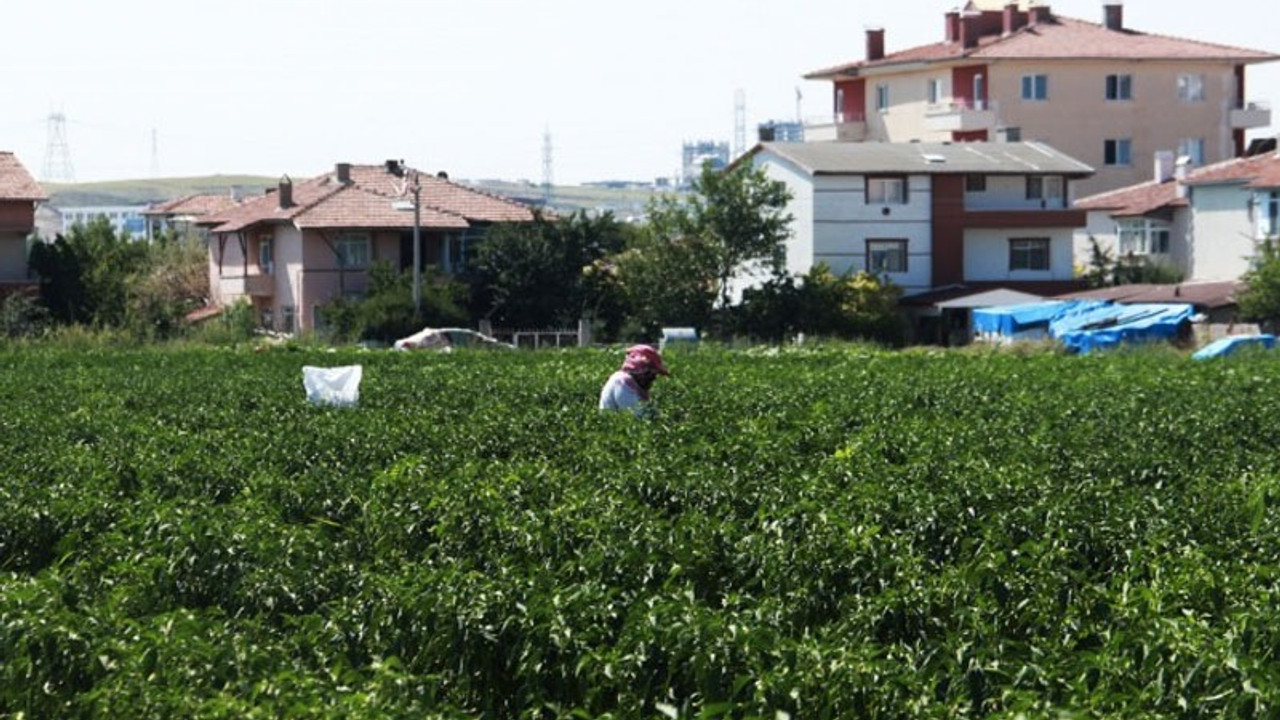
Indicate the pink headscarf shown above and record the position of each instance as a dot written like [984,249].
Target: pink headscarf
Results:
[644,357]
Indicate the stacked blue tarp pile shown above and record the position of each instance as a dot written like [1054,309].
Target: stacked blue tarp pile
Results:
[1107,327]
[1082,325]
[1230,344]
[1017,322]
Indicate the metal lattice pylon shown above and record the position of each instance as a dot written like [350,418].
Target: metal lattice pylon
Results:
[57,154]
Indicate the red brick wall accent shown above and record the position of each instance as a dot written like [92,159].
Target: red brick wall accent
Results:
[947,249]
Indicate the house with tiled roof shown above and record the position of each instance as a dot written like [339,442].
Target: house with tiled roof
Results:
[184,213]
[1205,222]
[1101,92]
[301,245]
[19,196]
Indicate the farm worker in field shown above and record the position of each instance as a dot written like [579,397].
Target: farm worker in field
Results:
[628,388]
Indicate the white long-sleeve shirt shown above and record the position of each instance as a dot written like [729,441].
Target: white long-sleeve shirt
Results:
[620,392]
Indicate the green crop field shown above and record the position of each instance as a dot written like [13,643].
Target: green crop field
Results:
[827,533]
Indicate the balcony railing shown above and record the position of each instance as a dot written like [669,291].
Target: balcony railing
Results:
[961,115]
[847,127]
[256,285]
[1252,114]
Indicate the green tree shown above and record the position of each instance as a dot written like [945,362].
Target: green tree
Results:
[173,282]
[664,280]
[861,306]
[84,275]
[532,274]
[1260,301]
[737,220]
[386,311]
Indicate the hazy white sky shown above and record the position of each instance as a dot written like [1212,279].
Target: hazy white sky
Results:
[268,87]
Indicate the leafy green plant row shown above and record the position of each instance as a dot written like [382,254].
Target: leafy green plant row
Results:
[825,533]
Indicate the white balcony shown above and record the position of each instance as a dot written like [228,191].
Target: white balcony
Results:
[1253,114]
[960,116]
[843,127]
[247,285]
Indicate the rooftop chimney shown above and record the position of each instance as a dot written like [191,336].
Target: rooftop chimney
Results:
[342,173]
[1012,19]
[1163,165]
[1182,168]
[395,167]
[969,30]
[285,194]
[1037,14]
[1113,16]
[953,26]
[875,43]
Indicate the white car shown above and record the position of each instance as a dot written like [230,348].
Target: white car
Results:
[446,339]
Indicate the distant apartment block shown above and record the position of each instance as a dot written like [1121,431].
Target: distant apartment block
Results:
[696,154]
[1101,92]
[124,219]
[780,131]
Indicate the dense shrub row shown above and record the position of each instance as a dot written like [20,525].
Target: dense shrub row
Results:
[828,534]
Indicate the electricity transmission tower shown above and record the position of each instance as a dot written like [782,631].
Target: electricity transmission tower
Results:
[739,123]
[57,154]
[546,166]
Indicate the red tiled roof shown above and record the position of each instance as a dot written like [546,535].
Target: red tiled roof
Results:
[1060,38]
[1260,171]
[355,207]
[1257,171]
[324,202]
[15,182]
[1134,200]
[195,205]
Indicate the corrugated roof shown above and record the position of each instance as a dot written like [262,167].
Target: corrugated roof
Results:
[15,182]
[1207,295]
[1061,38]
[988,158]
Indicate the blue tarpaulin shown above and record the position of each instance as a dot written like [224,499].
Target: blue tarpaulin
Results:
[1084,325]
[1011,320]
[1227,345]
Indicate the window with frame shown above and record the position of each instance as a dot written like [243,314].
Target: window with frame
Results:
[1035,87]
[933,91]
[352,251]
[266,254]
[975,183]
[1192,148]
[1044,187]
[1143,236]
[882,97]
[1269,215]
[886,256]
[1117,152]
[886,191]
[1119,87]
[1191,88]
[1029,253]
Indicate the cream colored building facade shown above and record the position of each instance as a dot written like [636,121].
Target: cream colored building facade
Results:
[1105,94]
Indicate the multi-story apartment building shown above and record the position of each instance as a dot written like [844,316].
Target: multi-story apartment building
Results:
[1103,93]
[931,215]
